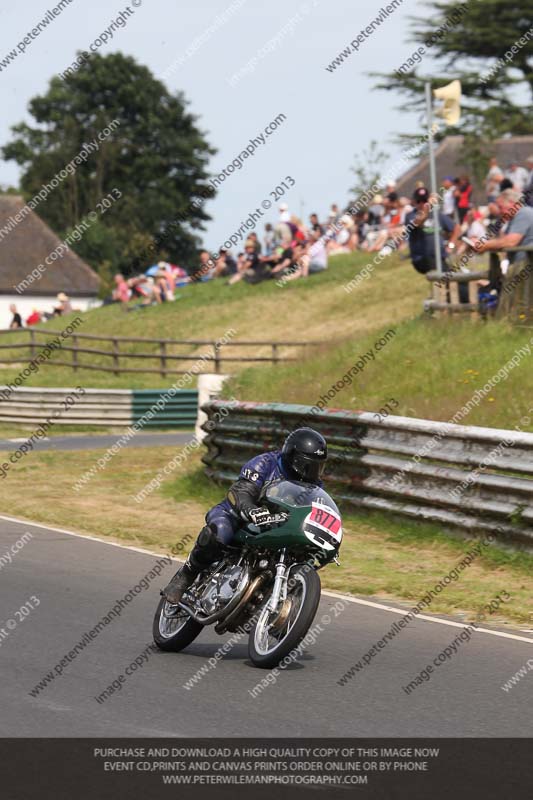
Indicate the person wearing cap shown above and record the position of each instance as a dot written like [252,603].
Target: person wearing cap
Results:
[421,233]
[64,307]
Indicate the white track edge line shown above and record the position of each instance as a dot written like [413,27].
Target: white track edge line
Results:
[349,598]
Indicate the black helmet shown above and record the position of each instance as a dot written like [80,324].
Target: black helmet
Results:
[304,455]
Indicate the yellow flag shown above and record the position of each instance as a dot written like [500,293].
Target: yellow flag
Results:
[450,111]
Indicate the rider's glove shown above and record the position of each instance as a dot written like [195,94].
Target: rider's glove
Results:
[264,519]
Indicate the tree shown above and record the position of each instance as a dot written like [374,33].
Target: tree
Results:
[468,40]
[367,168]
[155,156]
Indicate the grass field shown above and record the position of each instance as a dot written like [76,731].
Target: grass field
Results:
[316,309]
[381,556]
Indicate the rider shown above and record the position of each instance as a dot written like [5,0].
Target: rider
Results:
[302,458]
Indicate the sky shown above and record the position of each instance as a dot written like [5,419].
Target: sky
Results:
[199,47]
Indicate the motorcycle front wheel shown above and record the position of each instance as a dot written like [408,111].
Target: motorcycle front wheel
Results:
[274,636]
[173,628]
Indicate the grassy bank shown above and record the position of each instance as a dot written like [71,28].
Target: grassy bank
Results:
[430,367]
[315,309]
[381,556]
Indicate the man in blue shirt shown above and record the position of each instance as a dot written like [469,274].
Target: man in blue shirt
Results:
[302,458]
[421,232]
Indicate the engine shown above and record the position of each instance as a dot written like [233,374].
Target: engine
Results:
[220,589]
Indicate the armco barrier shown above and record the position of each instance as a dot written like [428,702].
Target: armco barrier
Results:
[399,464]
[99,407]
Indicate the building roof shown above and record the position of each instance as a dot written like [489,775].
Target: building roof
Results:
[25,244]
[449,162]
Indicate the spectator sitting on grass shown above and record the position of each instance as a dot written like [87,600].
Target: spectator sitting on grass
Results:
[121,293]
[34,318]
[64,306]
[345,239]
[225,266]
[318,254]
[248,265]
[315,224]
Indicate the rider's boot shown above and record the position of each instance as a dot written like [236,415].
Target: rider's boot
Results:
[206,550]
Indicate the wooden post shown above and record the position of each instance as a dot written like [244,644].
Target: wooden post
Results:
[75,353]
[162,357]
[275,357]
[216,354]
[115,356]
[32,342]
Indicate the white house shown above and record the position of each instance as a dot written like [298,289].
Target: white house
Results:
[35,265]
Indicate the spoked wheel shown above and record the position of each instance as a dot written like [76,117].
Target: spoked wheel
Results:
[275,635]
[173,628]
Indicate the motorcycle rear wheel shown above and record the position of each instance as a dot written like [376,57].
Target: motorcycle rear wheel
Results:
[274,636]
[173,628]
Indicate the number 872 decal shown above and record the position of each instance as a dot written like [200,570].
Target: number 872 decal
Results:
[323,526]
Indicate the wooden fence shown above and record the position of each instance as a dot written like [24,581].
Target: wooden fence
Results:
[516,296]
[213,357]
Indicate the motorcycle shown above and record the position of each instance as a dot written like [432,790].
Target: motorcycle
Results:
[266,584]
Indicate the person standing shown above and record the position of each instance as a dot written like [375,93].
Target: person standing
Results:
[463,194]
[16,322]
[448,198]
[421,232]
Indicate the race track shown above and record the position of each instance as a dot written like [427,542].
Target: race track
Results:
[77,580]
[99,440]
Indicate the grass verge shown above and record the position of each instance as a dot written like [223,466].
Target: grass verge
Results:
[382,556]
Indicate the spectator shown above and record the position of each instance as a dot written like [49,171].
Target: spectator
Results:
[518,175]
[528,192]
[34,318]
[492,181]
[284,214]
[345,239]
[334,214]
[257,244]
[475,229]
[269,239]
[419,223]
[249,265]
[293,265]
[517,231]
[376,211]
[448,198]
[121,293]
[318,254]
[392,222]
[463,193]
[226,266]
[64,305]
[315,224]
[16,322]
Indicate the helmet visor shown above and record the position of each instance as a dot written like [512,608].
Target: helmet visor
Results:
[307,468]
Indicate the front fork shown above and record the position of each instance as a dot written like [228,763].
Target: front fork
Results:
[279,592]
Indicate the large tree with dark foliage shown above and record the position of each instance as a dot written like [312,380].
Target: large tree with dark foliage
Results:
[156,157]
[495,103]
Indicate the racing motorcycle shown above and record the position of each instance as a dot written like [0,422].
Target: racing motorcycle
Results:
[266,583]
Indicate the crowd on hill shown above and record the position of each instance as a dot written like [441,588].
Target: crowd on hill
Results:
[292,249]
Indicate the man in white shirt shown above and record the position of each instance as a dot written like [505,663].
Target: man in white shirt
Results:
[518,175]
[448,198]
